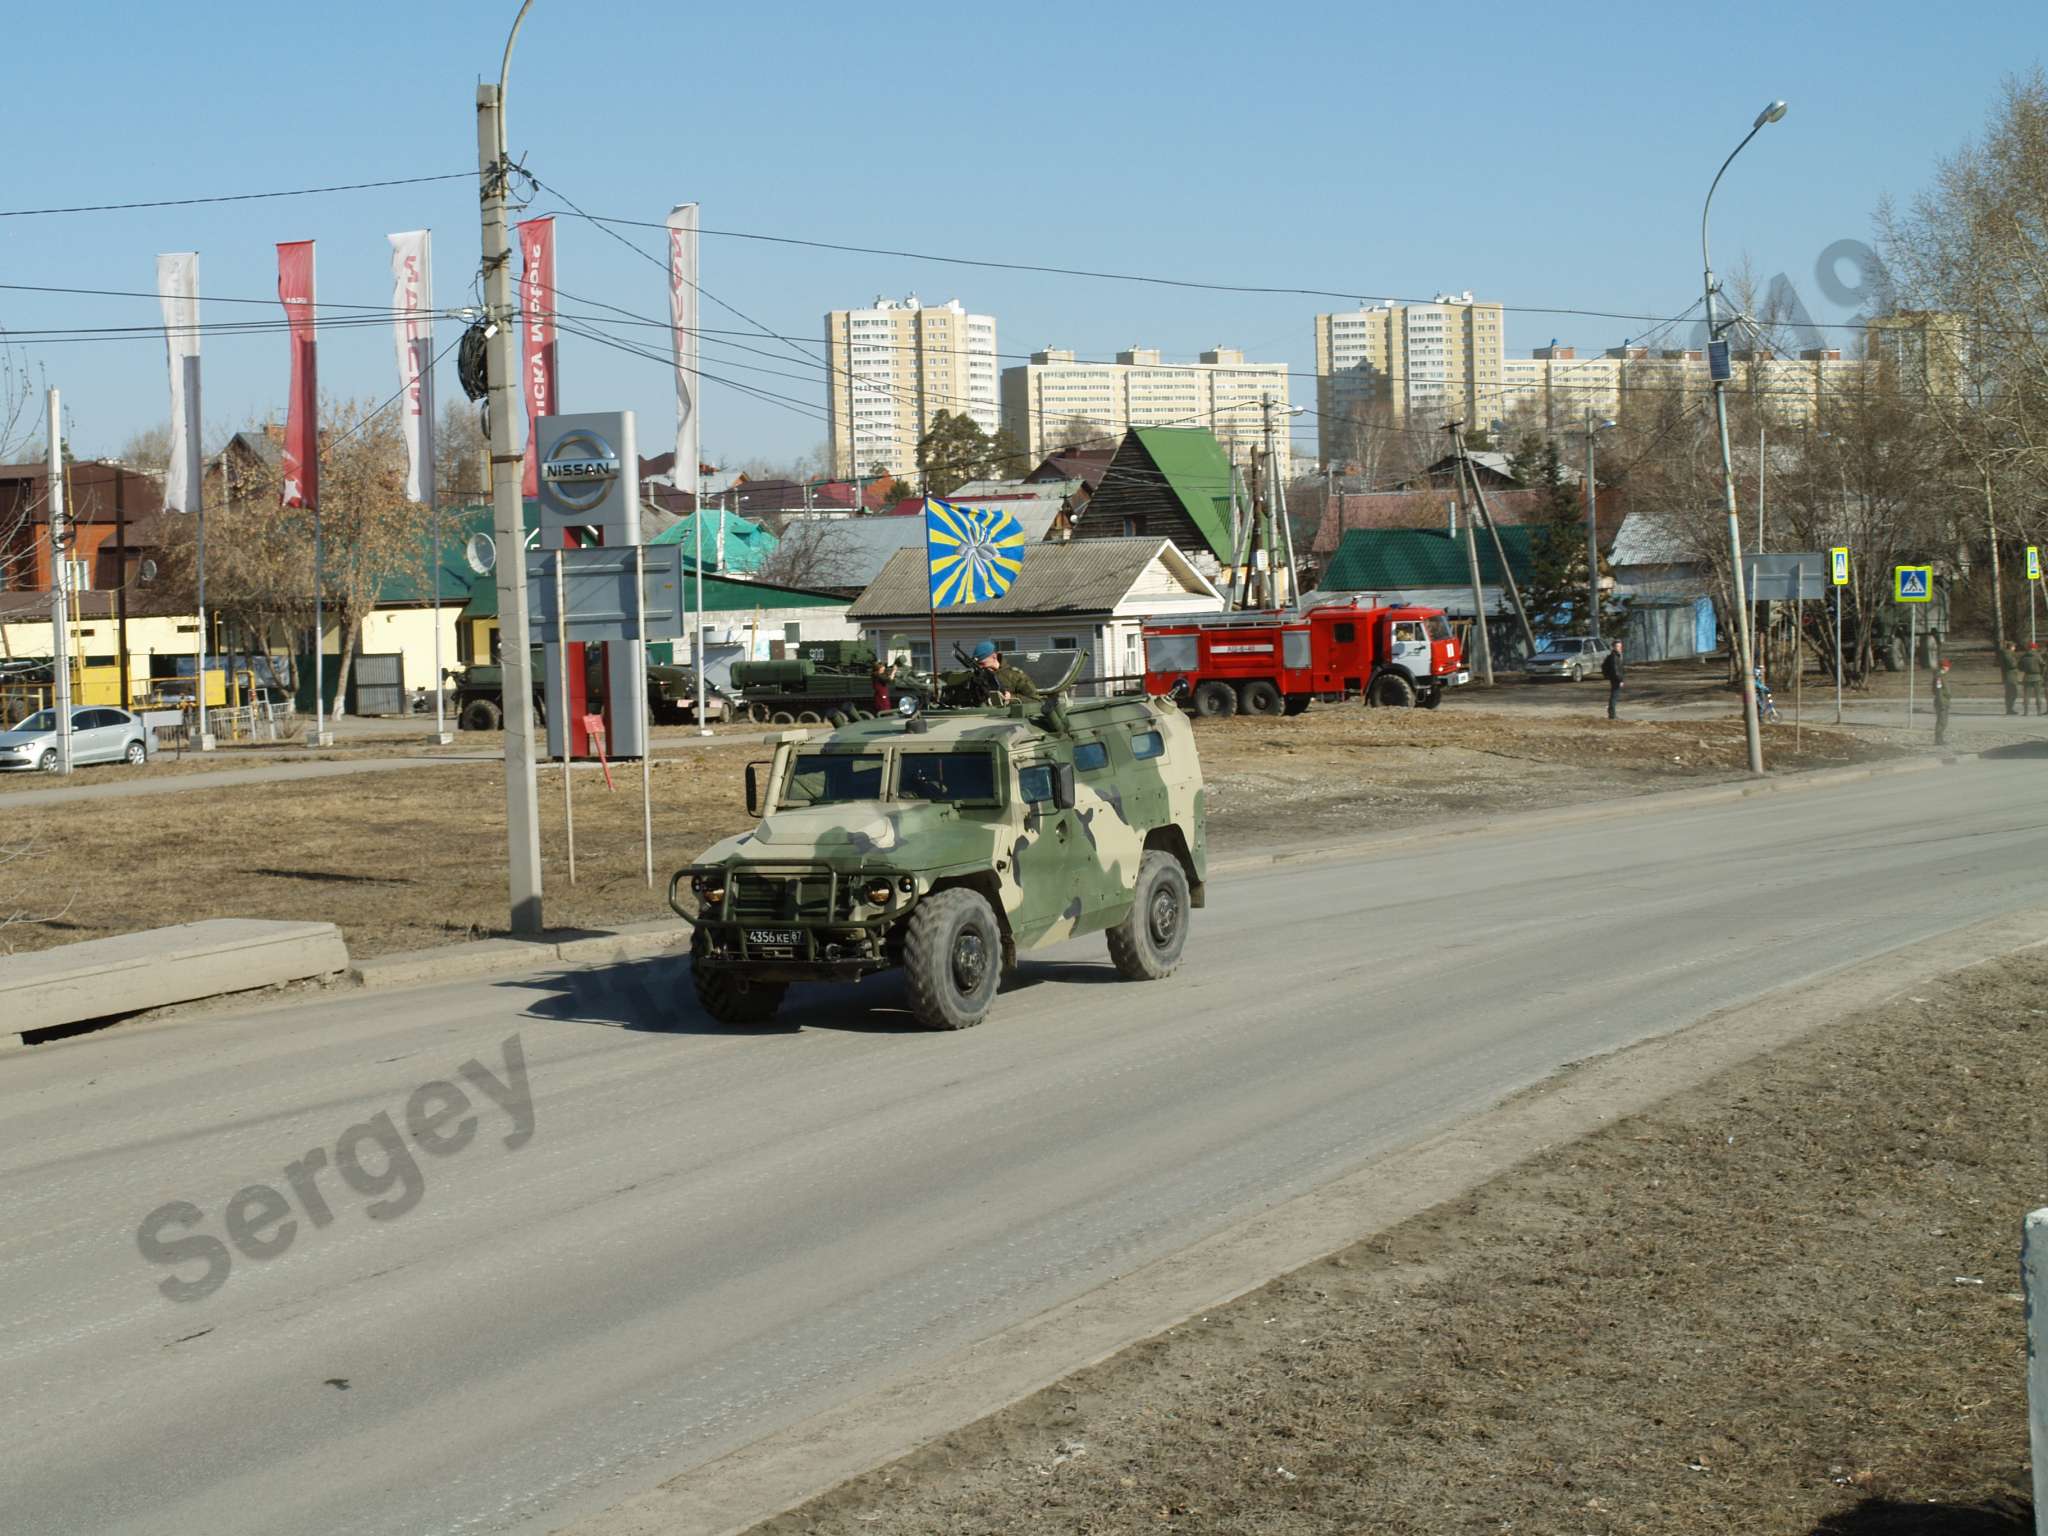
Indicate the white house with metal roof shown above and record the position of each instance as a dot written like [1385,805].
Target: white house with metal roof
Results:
[1091,595]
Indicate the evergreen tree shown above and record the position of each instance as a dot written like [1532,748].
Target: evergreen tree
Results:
[1556,591]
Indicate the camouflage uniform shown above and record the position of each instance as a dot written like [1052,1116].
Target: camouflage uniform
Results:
[2009,675]
[2030,682]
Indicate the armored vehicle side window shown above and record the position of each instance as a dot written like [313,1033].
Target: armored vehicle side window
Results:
[818,778]
[1147,744]
[1090,755]
[1035,783]
[954,777]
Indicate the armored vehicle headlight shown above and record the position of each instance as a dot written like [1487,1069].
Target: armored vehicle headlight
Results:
[879,893]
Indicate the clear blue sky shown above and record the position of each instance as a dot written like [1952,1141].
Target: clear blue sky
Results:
[1540,156]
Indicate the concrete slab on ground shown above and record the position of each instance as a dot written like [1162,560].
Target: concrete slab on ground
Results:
[130,972]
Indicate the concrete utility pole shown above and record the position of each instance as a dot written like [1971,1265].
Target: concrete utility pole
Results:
[1718,370]
[1471,521]
[1592,532]
[60,592]
[508,520]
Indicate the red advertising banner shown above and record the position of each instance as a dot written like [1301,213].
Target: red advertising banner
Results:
[536,334]
[300,486]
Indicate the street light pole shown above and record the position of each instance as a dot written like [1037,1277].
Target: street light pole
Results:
[508,516]
[1718,371]
[1592,532]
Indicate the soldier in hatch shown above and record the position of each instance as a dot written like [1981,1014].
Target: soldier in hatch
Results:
[994,683]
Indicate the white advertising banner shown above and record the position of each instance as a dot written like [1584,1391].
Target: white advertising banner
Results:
[177,288]
[682,319]
[412,321]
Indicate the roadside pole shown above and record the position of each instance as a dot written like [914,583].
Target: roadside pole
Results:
[1912,645]
[562,655]
[2034,1287]
[1471,522]
[697,628]
[1798,655]
[60,592]
[646,732]
[508,521]
[1838,655]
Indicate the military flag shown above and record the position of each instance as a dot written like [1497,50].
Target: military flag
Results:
[974,553]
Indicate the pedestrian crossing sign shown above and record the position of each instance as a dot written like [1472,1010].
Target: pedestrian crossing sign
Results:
[1840,556]
[1912,583]
[2033,562]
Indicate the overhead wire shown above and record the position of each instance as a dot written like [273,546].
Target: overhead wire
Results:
[236,197]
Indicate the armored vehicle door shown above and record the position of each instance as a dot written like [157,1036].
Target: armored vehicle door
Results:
[1049,851]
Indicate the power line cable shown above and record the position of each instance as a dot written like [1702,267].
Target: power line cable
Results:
[235,197]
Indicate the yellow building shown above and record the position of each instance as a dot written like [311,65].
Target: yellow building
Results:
[1057,400]
[1407,365]
[893,367]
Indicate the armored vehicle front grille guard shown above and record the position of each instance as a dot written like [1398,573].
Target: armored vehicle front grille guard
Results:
[763,898]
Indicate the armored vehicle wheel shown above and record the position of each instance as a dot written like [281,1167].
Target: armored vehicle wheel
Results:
[1146,945]
[808,717]
[1259,697]
[837,717]
[759,713]
[481,715]
[1215,700]
[731,1000]
[863,714]
[1392,690]
[1297,702]
[782,717]
[953,957]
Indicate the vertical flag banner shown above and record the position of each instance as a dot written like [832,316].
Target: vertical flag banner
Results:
[974,552]
[177,287]
[682,319]
[301,482]
[537,334]
[412,322]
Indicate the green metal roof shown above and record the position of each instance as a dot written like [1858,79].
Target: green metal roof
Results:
[721,595]
[747,543]
[1398,559]
[1198,474]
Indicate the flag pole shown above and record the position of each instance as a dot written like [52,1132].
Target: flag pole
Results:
[931,602]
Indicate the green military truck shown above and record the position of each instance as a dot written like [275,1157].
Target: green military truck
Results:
[671,693]
[946,843]
[825,681]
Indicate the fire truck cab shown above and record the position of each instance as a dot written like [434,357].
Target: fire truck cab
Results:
[1279,662]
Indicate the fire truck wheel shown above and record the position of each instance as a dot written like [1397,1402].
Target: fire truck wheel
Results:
[1392,690]
[1297,702]
[1429,698]
[1215,700]
[481,715]
[1259,697]
[952,959]
[731,1000]
[1146,945]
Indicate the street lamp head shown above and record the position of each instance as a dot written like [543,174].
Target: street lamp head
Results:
[1770,114]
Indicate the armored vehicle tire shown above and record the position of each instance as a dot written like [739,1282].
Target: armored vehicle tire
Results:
[1146,945]
[808,717]
[837,717]
[758,713]
[1297,702]
[863,714]
[482,715]
[953,958]
[731,999]
[1215,700]
[1392,690]
[1259,697]
[782,717]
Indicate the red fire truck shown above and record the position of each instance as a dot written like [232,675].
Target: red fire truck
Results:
[1278,662]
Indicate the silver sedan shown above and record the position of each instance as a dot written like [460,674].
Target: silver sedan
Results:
[97,736]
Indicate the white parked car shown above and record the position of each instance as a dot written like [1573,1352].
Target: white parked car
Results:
[1572,657]
[97,736]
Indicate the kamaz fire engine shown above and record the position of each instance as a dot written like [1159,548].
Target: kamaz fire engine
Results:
[1273,662]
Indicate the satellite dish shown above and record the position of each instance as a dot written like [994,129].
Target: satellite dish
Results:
[146,571]
[481,553]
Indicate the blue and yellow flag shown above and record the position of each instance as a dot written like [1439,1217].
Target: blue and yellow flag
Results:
[975,552]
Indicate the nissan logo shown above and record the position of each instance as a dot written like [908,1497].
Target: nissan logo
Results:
[580,470]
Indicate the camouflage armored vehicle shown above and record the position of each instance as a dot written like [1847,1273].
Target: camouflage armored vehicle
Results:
[949,842]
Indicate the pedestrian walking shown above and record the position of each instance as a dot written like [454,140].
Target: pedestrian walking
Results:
[1942,700]
[2009,675]
[1611,669]
[2031,679]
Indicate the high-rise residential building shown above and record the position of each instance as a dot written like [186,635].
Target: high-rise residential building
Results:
[1921,351]
[894,366]
[1406,365]
[1789,390]
[1058,401]
[1552,388]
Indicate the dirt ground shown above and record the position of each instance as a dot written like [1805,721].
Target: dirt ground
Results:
[1785,1301]
[407,860]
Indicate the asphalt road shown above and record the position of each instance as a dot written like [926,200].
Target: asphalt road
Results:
[704,1236]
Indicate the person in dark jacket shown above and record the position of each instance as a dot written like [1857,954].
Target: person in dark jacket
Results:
[1942,700]
[2030,682]
[1611,669]
[880,680]
[2009,675]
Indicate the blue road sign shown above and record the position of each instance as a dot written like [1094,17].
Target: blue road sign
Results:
[1912,583]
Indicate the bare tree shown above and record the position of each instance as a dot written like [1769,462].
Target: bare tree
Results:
[810,552]
[462,456]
